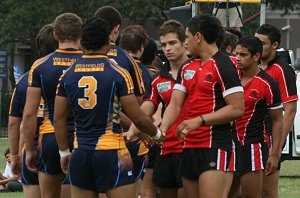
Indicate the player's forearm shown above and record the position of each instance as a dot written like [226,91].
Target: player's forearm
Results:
[61,133]
[288,120]
[28,129]
[170,116]
[125,121]
[144,124]
[276,137]
[14,134]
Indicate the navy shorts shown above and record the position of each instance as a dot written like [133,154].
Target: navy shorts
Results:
[100,170]
[28,177]
[166,172]
[195,161]
[49,161]
[139,162]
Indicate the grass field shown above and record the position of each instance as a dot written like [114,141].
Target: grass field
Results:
[289,176]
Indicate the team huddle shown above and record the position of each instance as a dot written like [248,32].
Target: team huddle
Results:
[99,119]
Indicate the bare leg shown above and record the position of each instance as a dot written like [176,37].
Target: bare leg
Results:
[252,184]
[65,191]
[31,191]
[167,192]
[102,195]
[126,191]
[180,193]
[236,183]
[190,188]
[270,186]
[77,192]
[50,185]
[212,184]
[148,189]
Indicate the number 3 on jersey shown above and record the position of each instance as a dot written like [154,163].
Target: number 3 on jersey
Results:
[89,83]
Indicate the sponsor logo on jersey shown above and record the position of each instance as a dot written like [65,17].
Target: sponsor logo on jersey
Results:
[165,86]
[129,173]
[112,52]
[189,74]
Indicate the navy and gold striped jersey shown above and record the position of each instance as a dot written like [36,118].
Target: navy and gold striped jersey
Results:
[146,74]
[93,86]
[18,101]
[45,74]
[126,61]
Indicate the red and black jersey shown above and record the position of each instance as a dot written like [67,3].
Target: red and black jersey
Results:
[260,94]
[214,80]
[162,88]
[285,76]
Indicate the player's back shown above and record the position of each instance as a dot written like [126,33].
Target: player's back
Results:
[94,86]
[125,61]
[45,74]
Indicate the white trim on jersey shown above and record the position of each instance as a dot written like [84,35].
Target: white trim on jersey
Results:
[233,90]
[180,88]
[277,107]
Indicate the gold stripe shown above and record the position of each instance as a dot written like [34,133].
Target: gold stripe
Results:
[34,66]
[125,74]
[111,141]
[94,56]
[137,74]
[12,98]
[69,51]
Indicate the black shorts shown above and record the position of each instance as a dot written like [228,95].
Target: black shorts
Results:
[195,161]
[253,157]
[153,152]
[235,159]
[166,172]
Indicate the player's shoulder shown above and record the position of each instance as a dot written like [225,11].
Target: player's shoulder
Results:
[222,60]
[41,62]
[266,78]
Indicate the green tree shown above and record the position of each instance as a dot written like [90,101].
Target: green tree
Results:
[285,5]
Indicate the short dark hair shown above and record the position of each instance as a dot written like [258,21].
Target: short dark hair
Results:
[149,53]
[45,41]
[235,32]
[252,43]
[95,34]
[7,151]
[67,26]
[173,26]
[229,39]
[209,26]
[133,37]
[111,15]
[271,31]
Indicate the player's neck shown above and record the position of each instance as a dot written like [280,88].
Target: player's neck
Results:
[264,62]
[175,65]
[69,44]
[103,50]
[137,55]
[250,72]
[207,52]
